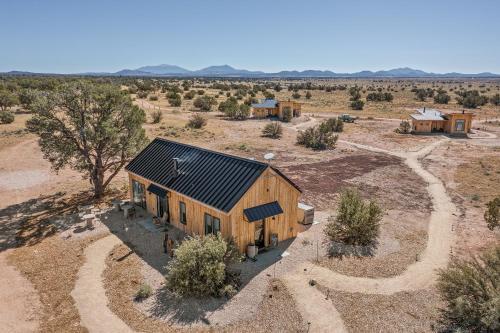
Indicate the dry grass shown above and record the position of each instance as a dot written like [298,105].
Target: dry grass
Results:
[415,311]
[479,178]
[52,266]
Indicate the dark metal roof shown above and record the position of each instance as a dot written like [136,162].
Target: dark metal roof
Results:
[261,212]
[157,190]
[216,179]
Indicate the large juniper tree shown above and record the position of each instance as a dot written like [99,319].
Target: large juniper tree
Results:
[93,128]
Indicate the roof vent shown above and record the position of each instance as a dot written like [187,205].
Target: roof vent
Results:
[175,167]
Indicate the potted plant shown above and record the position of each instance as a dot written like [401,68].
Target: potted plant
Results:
[252,250]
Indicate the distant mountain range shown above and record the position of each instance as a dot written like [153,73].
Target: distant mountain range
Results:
[228,72]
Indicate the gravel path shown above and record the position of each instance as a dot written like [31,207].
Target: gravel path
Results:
[89,293]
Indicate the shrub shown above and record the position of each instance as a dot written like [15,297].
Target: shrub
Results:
[267,94]
[296,95]
[357,222]
[441,97]
[142,94]
[308,95]
[273,130]
[421,94]
[6,117]
[26,98]
[196,121]
[355,93]
[153,98]
[471,99]
[492,213]
[317,137]
[379,97]
[204,103]
[7,100]
[404,127]
[200,267]
[144,292]
[190,94]
[470,290]
[201,92]
[174,99]
[334,124]
[157,116]
[357,104]
[495,99]
[287,115]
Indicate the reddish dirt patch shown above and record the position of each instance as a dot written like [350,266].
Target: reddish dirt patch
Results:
[323,180]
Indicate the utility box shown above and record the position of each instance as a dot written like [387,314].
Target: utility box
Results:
[305,213]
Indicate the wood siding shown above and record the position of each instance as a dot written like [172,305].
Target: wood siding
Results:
[267,188]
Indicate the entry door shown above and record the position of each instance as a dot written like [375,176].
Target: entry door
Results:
[162,207]
[260,231]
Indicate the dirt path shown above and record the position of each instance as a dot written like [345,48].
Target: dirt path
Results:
[89,293]
[316,309]
[20,302]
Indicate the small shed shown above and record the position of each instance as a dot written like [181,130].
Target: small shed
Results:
[305,213]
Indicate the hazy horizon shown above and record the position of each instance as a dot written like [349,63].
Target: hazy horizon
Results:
[69,37]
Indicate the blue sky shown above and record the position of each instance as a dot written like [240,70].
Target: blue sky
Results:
[343,36]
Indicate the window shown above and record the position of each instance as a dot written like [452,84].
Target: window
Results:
[460,125]
[138,194]
[182,212]
[212,225]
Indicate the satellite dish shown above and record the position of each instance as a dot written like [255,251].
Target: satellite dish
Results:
[269,156]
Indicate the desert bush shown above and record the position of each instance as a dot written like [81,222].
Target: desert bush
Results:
[334,124]
[200,267]
[317,137]
[196,121]
[201,92]
[273,130]
[357,222]
[308,95]
[296,95]
[6,117]
[355,94]
[404,127]
[174,99]
[268,94]
[190,94]
[204,103]
[157,116]
[492,213]
[7,100]
[27,97]
[144,292]
[441,97]
[495,99]
[470,291]
[287,115]
[357,104]
[153,98]
[471,99]
[379,97]
[142,94]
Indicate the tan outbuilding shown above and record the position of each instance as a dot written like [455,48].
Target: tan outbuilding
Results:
[434,121]
[273,108]
[202,192]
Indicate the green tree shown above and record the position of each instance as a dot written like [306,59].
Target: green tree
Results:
[199,267]
[7,100]
[287,114]
[27,97]
[492,213]
[441,97]
[471,291]
[357,222]
[204,103]
[404,127]
[93,128]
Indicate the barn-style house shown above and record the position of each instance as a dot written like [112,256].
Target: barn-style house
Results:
[205,192]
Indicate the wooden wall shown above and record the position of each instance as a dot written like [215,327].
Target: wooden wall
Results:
[453,117]
[268,188]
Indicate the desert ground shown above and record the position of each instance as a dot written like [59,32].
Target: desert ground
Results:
[433,190]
